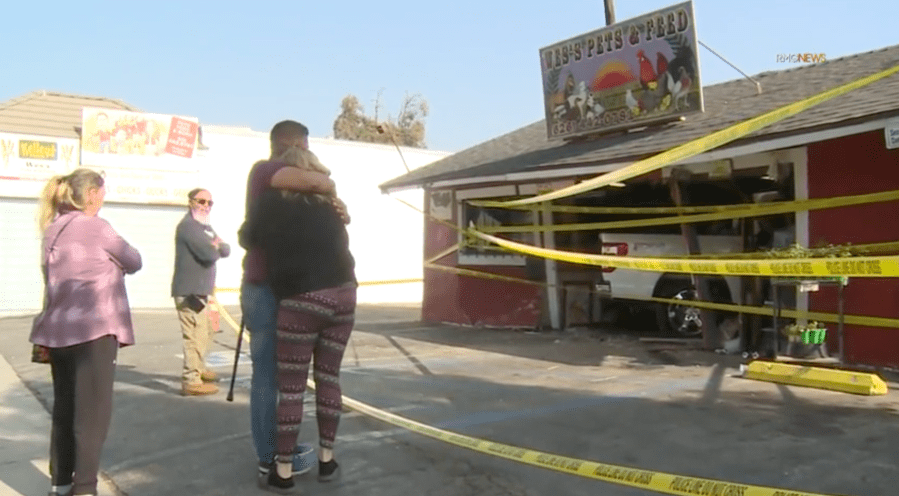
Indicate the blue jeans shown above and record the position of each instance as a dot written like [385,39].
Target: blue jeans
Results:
[259,308]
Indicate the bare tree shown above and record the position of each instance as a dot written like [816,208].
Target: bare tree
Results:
[408,129]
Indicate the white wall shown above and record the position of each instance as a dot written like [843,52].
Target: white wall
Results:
[386,237]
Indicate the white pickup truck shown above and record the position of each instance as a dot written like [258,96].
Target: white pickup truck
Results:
[637,285]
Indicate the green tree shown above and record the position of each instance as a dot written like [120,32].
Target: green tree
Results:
[407,129]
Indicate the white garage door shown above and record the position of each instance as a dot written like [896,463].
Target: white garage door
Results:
[150,229]
[21,287]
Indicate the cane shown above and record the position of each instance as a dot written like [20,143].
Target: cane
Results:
[236,359]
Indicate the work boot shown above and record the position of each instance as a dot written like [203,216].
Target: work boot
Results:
[201,389]
[209,376]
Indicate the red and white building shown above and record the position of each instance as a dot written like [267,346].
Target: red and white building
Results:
[848,145]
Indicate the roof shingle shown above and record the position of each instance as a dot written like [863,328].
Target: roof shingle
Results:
[46,113]
[726,104]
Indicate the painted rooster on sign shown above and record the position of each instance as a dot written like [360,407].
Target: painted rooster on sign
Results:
[648,78]
[654,95]
[668,82]
[681,73]
[679,88]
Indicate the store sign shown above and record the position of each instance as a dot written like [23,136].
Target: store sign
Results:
[27,161]
[891,134]
[629,74]
[442,204]
[43,150]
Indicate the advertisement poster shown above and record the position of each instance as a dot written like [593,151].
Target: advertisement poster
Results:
[631,73]
[146,158]
[118,138]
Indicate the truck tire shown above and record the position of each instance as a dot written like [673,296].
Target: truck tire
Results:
[682,320]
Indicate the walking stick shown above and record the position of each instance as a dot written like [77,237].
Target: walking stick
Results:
[236,359]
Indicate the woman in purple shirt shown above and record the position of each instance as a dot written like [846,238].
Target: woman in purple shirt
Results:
[86,318]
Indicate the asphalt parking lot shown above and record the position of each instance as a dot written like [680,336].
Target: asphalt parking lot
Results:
[592,394]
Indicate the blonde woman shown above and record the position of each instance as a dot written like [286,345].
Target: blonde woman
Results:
[302,158]
[86,318]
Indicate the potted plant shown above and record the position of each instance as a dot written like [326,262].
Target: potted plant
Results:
[811,333]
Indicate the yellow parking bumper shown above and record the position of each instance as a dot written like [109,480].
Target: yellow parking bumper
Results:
[816,377]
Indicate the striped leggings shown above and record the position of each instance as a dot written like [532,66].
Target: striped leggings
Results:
[315,324]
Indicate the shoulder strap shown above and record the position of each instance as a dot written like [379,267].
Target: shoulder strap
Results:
[55,238]
[44,268]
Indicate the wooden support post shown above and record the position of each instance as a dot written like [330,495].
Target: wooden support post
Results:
[552,272]
[756,296]
[711,335]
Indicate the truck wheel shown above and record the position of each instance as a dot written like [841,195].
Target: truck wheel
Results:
[678,320]
[683,320]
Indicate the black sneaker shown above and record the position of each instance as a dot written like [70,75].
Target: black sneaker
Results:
[327,471]
[274,483]
[262,474]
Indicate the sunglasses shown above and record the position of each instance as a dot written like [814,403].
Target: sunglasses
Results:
[204,201]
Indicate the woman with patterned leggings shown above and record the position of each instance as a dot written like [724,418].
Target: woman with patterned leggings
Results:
[311,272]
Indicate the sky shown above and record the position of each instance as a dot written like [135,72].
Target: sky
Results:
[475,62]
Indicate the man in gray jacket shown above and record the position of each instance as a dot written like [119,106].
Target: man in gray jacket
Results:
[197,248]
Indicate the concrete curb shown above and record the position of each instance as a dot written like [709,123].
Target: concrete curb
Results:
[24,440]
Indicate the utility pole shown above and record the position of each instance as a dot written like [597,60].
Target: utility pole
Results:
[610,12]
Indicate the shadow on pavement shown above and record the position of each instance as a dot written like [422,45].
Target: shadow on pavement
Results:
[687,420]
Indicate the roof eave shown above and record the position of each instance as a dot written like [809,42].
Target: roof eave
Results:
[753,144]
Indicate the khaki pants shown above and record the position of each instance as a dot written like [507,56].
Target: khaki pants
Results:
[196,331]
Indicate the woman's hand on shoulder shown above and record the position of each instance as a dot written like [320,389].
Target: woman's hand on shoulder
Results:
[295,179]
[340,206]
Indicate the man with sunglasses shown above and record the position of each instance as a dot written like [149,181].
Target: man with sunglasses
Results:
[197,248]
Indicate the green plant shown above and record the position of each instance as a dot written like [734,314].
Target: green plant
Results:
[796,329]
[798,251]
[811,333]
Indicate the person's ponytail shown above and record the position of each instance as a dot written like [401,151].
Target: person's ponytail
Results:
[50,200]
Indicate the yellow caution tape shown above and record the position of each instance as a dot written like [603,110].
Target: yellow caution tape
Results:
[571,209]
[689,209]
[659,482]
[485,275]
[784,313]
[801,267]
[384,282]
[885,248]
[227,316]
[442,254]
[724,307]
[817,377]
[742,257]
[390,281]
[705,143]
[745,210]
